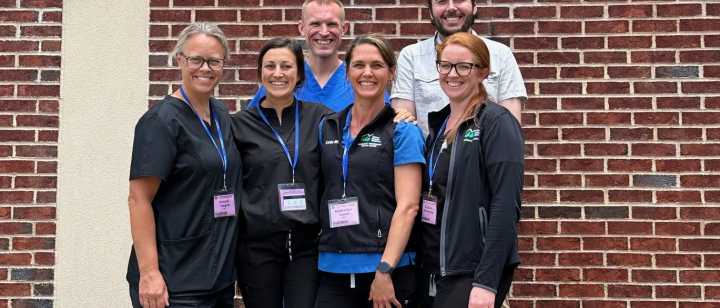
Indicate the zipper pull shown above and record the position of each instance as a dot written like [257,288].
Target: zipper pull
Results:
[379,234]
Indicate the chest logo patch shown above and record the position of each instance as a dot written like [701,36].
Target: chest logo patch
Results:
[471,135]
[332,142]
[369,141]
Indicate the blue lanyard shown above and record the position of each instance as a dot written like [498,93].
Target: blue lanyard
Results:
[432,163]
[220,150]
[293,161]
[347,143]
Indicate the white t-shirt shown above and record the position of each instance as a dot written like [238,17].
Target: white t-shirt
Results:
[417,77]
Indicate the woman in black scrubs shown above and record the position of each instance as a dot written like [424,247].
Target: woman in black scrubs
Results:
[278,143]
[184,187]
[468,250]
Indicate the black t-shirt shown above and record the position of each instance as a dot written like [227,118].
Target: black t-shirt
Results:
[195,249]
[429,245]
[265,165]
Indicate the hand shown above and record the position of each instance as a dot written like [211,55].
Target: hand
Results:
[153,292]
[382,292]
[481,298]
[402,115]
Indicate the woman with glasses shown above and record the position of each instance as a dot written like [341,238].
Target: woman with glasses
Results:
[277,140]
[372,175]
[184,186]
[471,201]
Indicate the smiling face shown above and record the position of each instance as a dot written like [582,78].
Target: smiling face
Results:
[322,26]
[279,74]
[203,79]
[452,16]
[368,72]
[456,87]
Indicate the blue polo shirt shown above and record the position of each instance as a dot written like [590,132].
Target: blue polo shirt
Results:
[336,95]
[408,149]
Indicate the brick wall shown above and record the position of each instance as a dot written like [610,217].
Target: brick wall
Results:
[30,33]
[622,196]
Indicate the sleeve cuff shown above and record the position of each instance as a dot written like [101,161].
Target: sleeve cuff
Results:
[477,285]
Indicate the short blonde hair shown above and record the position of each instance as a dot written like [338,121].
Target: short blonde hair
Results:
[326,2]
[200,28]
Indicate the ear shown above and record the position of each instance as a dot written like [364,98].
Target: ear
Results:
[484,72]
[345,27]
[301,27]
[392,74]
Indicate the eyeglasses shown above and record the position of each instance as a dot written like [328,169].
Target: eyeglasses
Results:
[445,2]
[197,62]
[461,68]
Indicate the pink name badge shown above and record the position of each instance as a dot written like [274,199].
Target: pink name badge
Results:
[429,210]
[224,204]
[292,197]
[344,212]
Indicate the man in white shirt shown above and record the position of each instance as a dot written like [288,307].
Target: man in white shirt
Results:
[416,87]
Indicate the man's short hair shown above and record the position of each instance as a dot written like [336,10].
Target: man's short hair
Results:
[326,2]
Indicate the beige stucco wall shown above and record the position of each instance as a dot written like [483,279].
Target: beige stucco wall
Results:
[103,92]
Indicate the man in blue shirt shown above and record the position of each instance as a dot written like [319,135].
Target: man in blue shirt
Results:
[322,25]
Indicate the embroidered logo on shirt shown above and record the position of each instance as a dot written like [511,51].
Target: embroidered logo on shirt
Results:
[471,135]
[369,141]
[332,142]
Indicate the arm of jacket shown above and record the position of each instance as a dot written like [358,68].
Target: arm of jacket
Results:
[503,151]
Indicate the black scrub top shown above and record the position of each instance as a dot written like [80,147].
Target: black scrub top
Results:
[195,249]
[265,165]
[429,244]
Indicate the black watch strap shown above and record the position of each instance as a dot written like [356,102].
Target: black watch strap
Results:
[385,267]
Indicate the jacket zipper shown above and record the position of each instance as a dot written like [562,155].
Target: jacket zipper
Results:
[448,188]
[379,225]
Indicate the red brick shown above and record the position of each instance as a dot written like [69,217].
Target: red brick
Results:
[566,149]
[44,258]
[582,228]
[677,291]
[581,11]
[538,259]
[711,213]
[605,243]
[34,213]
[557,274]
[657,213]
[653,149]
[700,245]
[535,289]
[18,16]
[581,290]
[581,165]
[605,275]
[629,259]
[513,28]
[642,275]
[584,196]
[613,180]
[629,165]
[33,243]
[678,41]
[559,243]
[700,180]
[18,46]
[15,258]
[535,43]
[582,42]
[629,291]
[539,196]
[602,149]
[170,15]
[700,149]
[607,26]
[15,289]
[630,227]
[678,197]
[678,260]
[677,165]
[629,42]
[654,26]
[654,56]
[608,87]
[41,3]
[218,15]
[559,180]
[558,57]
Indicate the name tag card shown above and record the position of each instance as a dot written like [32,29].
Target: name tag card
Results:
[292,197]
[224,204]
[429,210]
[344,212]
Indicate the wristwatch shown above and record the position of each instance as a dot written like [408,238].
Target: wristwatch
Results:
[385,267]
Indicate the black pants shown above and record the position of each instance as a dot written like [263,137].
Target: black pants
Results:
[335,289]
[454,291]
[269,278]
[220,299]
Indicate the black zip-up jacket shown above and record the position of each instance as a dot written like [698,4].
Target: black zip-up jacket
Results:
[265,165]
[482,204]
[370,178]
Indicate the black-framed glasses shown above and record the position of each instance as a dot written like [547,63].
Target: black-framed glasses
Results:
[461,68]
[197,62]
